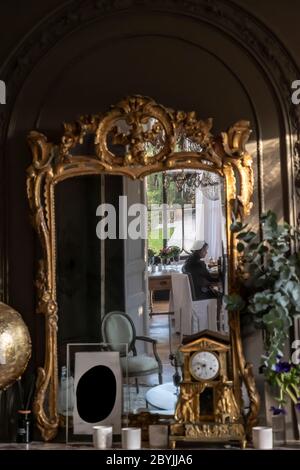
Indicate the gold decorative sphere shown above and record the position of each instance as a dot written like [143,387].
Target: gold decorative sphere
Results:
[15,346]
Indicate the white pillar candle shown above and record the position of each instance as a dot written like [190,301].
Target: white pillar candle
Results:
[262,437]
[131,438]
[158,435]
[102,437]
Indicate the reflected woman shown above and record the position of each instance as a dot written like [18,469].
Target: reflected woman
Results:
[201,278]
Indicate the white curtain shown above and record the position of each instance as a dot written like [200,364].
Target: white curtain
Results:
[210,223]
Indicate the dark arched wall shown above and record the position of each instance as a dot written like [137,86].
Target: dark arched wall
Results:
[180,60]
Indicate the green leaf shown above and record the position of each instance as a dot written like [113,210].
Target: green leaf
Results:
[285,273]
[296,294]
[281,299]
[240,247]
[271,317]
[246,236]
[234,302]
[263,249]
[236,226]
[253,246]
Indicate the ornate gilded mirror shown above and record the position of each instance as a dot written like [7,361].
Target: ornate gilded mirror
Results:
[144,151]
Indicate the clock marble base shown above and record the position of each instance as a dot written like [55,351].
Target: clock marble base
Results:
[207,432]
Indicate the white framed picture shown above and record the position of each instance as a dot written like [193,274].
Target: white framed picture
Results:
[98,391]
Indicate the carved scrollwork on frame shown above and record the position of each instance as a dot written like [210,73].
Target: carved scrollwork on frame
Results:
[134,123]
[40,196]
[134,138]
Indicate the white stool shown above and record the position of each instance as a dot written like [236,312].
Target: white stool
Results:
[163,397]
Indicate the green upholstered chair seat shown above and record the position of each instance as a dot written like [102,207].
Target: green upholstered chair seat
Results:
[139,364]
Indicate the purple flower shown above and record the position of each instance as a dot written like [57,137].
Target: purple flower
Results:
[282,367]
[297,406]
[277,411]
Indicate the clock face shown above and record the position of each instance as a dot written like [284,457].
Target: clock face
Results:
[204,365]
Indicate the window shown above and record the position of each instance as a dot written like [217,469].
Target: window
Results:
[171,214]
[184,206]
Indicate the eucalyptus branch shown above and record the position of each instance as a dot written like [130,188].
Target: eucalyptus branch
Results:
[269,280]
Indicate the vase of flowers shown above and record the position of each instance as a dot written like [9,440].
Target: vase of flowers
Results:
[278,427]
[284,377]
[151,256]
[164,255]
[174,252]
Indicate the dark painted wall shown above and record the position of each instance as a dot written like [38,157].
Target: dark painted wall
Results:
[114,252]
[178,59]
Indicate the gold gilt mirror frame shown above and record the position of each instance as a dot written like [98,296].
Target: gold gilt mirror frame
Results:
[52,163]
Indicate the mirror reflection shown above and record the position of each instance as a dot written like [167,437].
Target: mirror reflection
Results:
[142,263]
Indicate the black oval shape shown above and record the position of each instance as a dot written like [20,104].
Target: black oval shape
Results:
[96,394]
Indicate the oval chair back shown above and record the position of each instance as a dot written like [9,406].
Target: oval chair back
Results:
[117,329]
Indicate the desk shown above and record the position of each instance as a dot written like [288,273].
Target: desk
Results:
[160,281]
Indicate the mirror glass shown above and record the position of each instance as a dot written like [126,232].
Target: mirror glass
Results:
[153,249]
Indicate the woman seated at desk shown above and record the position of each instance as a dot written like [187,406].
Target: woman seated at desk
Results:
[202,279]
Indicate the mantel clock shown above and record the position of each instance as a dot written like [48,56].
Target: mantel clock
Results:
[207,409]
